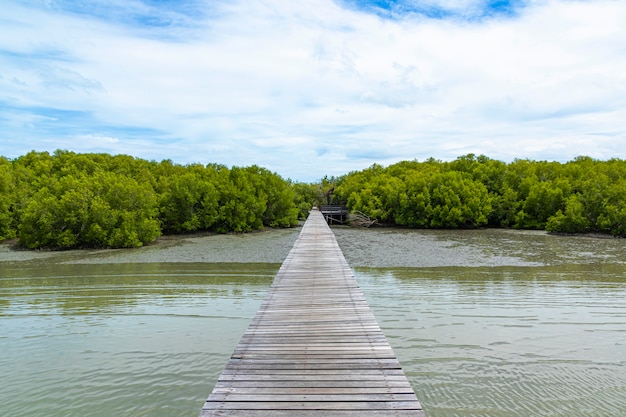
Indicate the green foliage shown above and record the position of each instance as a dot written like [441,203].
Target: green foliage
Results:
[188,202]
[579,196]
[68,200]
[306,196]
[613,214]
[379,198]
[280,209]
[7,199]
[504,207]
[106,210]
[543,200]
[241,203]
[220,199]
[418,195]
[572,220]
[459,201]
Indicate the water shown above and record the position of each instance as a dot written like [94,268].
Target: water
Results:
[485,323]
[516,342]
[121,339]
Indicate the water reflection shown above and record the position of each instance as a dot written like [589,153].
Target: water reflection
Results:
[512,341]
[86,289]
[485,323]
[121,339]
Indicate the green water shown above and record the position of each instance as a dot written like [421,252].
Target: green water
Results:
[121,340]
[512,342]
[485,323]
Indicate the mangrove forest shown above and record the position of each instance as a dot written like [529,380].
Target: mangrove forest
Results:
[69,200]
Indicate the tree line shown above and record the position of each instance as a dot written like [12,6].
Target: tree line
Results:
[68,200]
[580,196]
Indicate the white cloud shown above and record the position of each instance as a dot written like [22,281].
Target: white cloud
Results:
[311,88]
[97,140]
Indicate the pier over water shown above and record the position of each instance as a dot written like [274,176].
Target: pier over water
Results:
[314,348]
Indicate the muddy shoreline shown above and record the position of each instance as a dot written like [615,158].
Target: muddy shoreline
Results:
[376,247]
[266,246]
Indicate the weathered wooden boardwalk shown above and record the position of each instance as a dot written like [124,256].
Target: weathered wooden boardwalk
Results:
[314,347]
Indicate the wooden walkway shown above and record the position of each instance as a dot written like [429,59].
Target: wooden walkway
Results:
[314,347]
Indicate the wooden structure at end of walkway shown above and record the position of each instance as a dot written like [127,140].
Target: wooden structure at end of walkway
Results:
[314,347]
[335,214]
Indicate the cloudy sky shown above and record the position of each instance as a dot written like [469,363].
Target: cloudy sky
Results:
[316,87]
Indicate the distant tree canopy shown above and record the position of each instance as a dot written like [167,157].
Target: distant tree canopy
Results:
[68,200]
[583,195]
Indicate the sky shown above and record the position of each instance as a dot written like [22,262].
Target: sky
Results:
[314,88]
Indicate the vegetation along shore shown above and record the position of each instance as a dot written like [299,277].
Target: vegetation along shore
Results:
[67,200]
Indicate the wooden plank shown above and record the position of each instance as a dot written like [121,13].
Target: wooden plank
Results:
[309,375]
[373,365]
[308,391]
[327,396]
[312,405]
[278,384]
[314,347]
[311,413]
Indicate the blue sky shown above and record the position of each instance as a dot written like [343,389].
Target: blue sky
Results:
[314,88]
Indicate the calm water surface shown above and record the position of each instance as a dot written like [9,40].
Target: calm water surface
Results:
[485,323]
